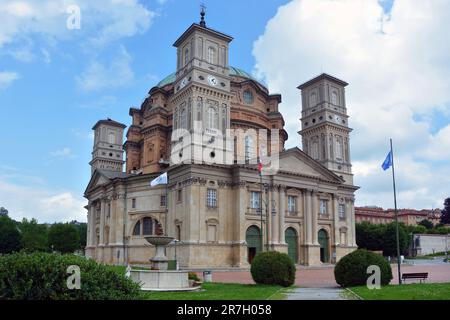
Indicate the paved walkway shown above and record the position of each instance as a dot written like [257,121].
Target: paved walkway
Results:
[323,277]
[317,294]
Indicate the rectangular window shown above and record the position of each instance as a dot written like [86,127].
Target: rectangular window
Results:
[162,201]
[323,207]
[211,198]
[133,203]
[292,204]
[180,195]
[255,200]
[342,211]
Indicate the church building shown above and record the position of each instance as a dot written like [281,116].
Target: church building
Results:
[222,202]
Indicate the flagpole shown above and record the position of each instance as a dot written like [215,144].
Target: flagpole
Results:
[396,217]
[260,210]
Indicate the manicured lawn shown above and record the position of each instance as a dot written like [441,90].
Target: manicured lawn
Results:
[219,291]
[424,291]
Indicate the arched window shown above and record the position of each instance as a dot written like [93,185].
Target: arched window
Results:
[334,97]
[183,119]
[145,227]
[186,56]
[312,99]
[178,232]
[175,117]
[137,229]
[315,149]
[338,148]
[199,108]
[213,118]
[111,138]
[211,55]
[248,147]
[224,117]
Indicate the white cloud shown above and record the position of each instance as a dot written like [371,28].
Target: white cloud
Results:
[64,153]
[397,65]
[102,21]
[44,205]
[99,76]
[7,77]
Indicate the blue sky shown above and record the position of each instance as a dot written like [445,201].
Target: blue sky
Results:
[56,83]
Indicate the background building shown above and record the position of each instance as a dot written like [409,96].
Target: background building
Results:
[409,217]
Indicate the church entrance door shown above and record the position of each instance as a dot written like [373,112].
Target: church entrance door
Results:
[291,239]
[324,248]
[253,239]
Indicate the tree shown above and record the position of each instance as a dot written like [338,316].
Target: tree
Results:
[445,214]
[82,231]
[426,223]
[9,235]
[3,211]
[34,235]
[63,237]
[390,240]
[370,236]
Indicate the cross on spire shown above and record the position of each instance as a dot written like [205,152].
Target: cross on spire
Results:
[202,15]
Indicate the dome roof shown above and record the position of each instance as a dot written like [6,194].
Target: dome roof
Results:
[236,72]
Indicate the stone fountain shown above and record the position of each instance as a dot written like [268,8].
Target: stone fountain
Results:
[159,278]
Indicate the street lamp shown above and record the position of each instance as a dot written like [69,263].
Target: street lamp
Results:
[175,241]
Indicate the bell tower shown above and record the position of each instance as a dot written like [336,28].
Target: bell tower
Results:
[202,91]
[108,151]
[325,131]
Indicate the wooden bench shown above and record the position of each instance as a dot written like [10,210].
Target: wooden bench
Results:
[417,275]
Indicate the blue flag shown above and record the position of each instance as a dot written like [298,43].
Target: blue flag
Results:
[387,162]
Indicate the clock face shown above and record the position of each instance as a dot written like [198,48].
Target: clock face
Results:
[183,83]
[212,80]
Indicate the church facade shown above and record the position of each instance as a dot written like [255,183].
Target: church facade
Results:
[210,126]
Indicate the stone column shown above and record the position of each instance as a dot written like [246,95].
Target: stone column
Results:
[337,239]
[102,222]
[308,217]
[275,219]
[352,230]
[282,206]
[314,213]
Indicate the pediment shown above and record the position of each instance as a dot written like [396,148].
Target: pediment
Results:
[296,161]
[97,179]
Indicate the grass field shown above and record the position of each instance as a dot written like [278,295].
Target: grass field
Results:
[219,291]
[424,291]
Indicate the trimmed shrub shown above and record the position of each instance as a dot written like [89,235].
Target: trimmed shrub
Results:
[351,270]
[43,276]
[193,276]
[273,268]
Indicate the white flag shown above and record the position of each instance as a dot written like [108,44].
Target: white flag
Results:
[162,179]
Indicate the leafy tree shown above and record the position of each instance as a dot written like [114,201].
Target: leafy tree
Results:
[390,240]
[34,235]
[426,223]
[3,211]
[370,236]
[445,214]
[9,235]
[82,231]
[64,237]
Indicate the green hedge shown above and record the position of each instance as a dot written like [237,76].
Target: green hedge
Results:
[351,270]
[273,268]
[43,276]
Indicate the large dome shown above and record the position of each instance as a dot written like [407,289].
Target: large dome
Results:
[236,72]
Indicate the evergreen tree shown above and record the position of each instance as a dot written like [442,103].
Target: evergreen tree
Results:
[9,235]
[445,214]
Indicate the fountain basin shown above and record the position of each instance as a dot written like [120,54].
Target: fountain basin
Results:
[159,240]
[162,280]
